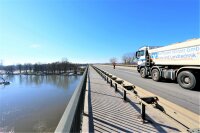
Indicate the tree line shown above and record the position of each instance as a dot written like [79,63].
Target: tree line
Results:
[49,68]
[128,58]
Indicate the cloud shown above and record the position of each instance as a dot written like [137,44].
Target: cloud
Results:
[35,46]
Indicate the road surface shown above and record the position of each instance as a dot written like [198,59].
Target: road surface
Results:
[169,90]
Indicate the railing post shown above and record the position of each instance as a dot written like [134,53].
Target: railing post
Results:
[124,95]
[143,111]
[111,83]
[107,79]
[115,86]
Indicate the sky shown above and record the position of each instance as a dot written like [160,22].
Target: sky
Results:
[91,31]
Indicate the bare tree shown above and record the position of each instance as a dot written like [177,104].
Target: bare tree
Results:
[124,59]
[9,69]
[65,64]
[35,67]
[26,68]
[129,58]
[19,67]
[113,60]
[50,68]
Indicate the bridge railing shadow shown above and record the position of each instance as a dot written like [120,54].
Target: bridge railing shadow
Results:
[110,113]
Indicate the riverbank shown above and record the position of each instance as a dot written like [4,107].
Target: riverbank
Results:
[69,73]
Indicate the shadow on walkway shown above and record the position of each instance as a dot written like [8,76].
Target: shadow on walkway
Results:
[109,113]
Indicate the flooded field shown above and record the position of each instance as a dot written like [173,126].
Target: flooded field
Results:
[34,103]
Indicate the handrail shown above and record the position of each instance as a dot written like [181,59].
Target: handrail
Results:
[71,119]
[182,125]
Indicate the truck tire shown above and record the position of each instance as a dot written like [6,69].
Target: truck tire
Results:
[187,80]
[155,74]
[143,73]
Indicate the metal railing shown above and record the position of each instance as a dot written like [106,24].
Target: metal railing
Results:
[146,102]
[72,117]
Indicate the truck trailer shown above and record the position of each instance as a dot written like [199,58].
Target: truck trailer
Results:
[179,61]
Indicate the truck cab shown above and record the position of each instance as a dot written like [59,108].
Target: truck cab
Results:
[141,59]
[143,56]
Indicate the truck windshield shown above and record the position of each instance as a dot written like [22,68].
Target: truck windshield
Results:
[140,53]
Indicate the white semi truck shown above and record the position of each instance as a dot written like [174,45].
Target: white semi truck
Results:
[179,61]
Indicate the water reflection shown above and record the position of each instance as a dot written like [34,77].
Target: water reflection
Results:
[34,103]
[57,80]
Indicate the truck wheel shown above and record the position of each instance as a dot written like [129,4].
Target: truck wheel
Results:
[155,75]
[143,73]
[187,80]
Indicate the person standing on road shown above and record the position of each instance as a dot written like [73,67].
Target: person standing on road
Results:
[114,64]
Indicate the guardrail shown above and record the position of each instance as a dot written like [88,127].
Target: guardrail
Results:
[116,82]
[184,120]
[72,117]
[124,65]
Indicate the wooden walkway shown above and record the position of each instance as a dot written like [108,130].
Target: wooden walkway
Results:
[106,111]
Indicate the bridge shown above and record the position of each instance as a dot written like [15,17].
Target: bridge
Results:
[117,100]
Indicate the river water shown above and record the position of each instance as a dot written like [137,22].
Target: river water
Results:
[35,103]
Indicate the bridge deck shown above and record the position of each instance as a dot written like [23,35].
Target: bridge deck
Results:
[106,111]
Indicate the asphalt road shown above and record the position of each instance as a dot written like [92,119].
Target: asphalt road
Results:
[166,89]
